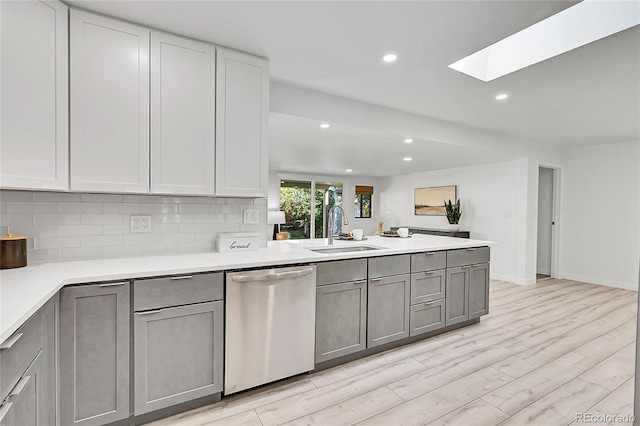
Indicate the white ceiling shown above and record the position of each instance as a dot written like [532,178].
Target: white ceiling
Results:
[590,95]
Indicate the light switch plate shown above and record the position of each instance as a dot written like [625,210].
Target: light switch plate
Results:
[140,223]
[251,216]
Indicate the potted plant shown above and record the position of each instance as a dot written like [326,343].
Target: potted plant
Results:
[452,210]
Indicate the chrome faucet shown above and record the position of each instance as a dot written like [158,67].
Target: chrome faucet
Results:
[330,221]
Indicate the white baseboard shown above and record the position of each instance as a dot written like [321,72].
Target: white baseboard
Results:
[515,280]
[600,281]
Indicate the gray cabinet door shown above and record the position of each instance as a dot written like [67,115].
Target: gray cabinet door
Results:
[478,290]
[178,354]
[25,398]
[94,353]
[341,319]
[388,309]
[427,286]
[47,385]
[426,317]
[457,298]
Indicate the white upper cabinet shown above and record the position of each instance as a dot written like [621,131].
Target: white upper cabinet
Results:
[182,115]
[34,138]
[109,62]
[242,113]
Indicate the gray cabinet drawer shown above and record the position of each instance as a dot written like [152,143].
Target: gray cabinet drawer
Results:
[428,261]
[427,286]
[341,271]
[175,291]
[389,265]
[426,317]
[18,351]
[468,256]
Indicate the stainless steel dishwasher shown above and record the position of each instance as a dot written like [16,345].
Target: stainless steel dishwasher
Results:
[270,325]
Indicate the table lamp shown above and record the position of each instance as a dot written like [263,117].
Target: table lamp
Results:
[276,218]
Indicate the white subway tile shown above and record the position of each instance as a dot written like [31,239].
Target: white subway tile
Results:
[178,200]
[35,231]
[230,209]
[170,209]
[195,208]
[57,242]
[167,228]
[240,201]
[79,230]
[206,236]
[80,253]
[160,249]
[7,195]
[152,208]
[121,251]
[102,240]
[56,219]
[225,227]
[218,200]
[80,207]
[102,198]
[196,247]
[233,218]
[260,202]
[195,227]
[203,218]
[41,255]
[115,229]
[57,197]
[142,239]
[31,207]
[150,199]
[13,220]
[129,208]
[102,218]
[178,238]
[3,207]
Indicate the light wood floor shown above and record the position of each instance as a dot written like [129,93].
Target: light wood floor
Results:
[545,353]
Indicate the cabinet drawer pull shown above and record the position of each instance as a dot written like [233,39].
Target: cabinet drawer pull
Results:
[477,264]
[19,386]
[429,303]
[360,282]
[184,277]
[429,272]
[157,311]
[111,285]
[471,249]
[4,409]
[11,341]
[466,267]
[373,280]
[430,253]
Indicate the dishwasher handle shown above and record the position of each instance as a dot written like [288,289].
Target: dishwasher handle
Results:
[272,276]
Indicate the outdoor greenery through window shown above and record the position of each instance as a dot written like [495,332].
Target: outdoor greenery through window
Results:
[362,208]
[296,202]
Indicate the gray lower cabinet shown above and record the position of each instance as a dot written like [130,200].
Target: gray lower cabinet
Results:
[94,353]
[478,290]
[341,319]
[388,309]
[178,354]
[23,404]
[457,299]
[428,316]
[428,286]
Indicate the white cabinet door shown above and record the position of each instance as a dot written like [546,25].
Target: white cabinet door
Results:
[182,115]
[34,148]
[242,114]
[109,104]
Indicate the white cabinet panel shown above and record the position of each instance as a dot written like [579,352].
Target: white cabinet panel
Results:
[242,113]
[109,105]
[34,148]
[182,115]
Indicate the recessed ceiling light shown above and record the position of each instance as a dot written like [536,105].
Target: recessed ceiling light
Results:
[408,140]
[348,170]
[407,158]
[576,26]
[325,125]
[390,57]
[502,96]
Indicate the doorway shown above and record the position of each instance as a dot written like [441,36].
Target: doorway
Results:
[547,238]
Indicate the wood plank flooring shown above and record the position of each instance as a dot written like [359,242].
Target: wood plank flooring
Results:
[544,354]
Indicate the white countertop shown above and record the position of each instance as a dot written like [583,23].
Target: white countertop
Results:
[24,290]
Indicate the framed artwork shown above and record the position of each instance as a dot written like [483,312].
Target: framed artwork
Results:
[430,201]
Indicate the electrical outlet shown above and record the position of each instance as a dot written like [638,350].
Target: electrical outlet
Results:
[251,216]
[140,223]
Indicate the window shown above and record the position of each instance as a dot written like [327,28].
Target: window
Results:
[363,202]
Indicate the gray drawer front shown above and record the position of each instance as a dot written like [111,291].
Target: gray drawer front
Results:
[469,256]
[427,286]
[426,317]
[428,261]
[341,271]
[178,290]
[389,265]
[14,360]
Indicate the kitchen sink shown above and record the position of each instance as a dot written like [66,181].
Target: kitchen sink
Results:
[345,249]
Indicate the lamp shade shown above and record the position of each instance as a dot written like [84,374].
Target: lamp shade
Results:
[276,218]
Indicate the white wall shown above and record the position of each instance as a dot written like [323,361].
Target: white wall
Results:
[601,215]
[494,207]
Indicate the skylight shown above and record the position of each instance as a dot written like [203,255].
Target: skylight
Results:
[583,23]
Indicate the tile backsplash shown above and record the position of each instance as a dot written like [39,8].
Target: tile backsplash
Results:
[66,226]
